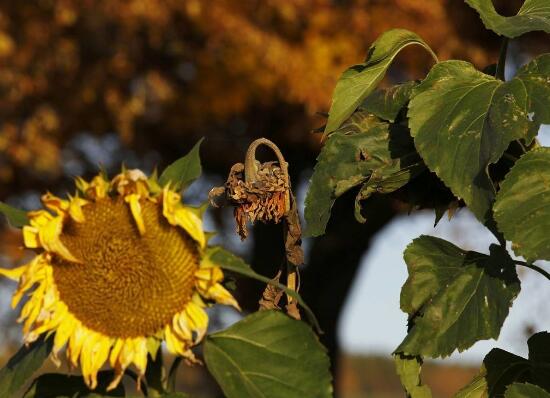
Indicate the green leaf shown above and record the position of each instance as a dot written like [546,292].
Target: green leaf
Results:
[522,209]
[357,82]
[501,369]
[364,151]
[17,218]
[477,388]
[408,369]
[534,15]
[22,365]
[526,390]
[388,103]
[54,385]
[228,261]
[269,355]
[183,171]
[463,120]
[174,395]
[454,297]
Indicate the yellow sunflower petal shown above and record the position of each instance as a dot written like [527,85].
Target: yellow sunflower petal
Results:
[197,319]
[135,208]
[14,274]
[62,334]
[30,237]
[140,355]
[75,209]
[220,295]
[52,202]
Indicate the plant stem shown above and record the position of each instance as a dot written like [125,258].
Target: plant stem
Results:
[535,268]
[501,65]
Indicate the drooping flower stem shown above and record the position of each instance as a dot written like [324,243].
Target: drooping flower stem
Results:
[262,192]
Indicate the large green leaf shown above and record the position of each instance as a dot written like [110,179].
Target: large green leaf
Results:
[22,365]
[522,209]
[526,390]
[388,103]
[357,82]
[408,369]
[501,369]
[54,385]
[17,218]
[364,151]
[183,171]
[269,355]
[533,15]
[463,120]
[230,262]
[454,297]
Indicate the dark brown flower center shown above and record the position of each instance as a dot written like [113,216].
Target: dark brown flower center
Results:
[127,285]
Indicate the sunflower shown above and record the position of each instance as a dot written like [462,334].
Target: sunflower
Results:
[120,267]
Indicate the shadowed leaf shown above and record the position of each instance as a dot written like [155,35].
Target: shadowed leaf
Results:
[526,390]
[388,103]
[502,369]
[364,152]
[53,385]
[22,365]
[534,15]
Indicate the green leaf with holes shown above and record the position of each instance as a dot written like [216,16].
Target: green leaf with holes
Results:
[183,171]
[357,82]
[463,120]
[534,15]
[270,355]
[522,208]
[454,297]
[365,152]
[17,218]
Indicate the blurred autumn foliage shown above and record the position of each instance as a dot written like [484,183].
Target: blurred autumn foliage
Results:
[179,67]
[159,74]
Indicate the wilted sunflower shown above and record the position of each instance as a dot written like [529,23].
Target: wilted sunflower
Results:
[120,267]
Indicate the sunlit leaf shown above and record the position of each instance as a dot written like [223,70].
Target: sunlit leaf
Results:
[357,82]
[183,171]
[364,152]
[230,262]
[534,15]
[454,297]
[17,218]
[502,369]
[270,355]
[54,385]
[388,103]
[522,209]
[463,120]
[408,369]
[526,390]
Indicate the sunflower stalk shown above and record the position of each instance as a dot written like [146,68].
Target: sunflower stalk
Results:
[262,192]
